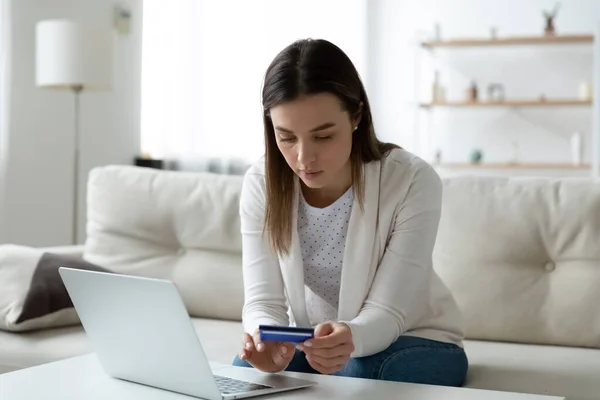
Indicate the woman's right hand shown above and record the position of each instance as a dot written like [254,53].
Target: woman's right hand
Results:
[266,356]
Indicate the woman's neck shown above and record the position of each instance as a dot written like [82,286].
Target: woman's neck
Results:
[327,195]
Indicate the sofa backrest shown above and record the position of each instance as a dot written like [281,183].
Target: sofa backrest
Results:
[182,226]
[520,255]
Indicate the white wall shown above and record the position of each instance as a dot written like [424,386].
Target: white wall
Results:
[40,165]
[398,64]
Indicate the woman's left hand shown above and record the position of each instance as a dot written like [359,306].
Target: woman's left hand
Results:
[330,349]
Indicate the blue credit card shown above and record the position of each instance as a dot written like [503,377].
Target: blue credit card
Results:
[285,333]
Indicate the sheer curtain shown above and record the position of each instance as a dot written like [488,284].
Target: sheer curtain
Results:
[4,105]
[203,63]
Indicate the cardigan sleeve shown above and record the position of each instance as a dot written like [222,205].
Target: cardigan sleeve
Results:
[264,297]
[404,269]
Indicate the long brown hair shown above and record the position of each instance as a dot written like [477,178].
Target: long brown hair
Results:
[303,68]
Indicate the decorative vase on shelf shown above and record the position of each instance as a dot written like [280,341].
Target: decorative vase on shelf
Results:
[576,148]
[437,91]
[550,17]
[472,93]
[495,92]
[515,155]
[437,32]
[441,94]
[585,91]
[438,157]
[476,156]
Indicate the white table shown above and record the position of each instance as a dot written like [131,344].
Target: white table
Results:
[83,378]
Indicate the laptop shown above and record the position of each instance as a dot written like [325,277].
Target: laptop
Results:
[141,332]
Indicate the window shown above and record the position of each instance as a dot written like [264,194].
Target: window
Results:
[4,104]
[203,63]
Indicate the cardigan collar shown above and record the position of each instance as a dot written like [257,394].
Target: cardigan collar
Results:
[358,252]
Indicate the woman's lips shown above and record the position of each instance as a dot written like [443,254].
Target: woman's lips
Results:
[310,174]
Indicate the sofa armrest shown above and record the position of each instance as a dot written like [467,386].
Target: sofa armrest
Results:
[73,250]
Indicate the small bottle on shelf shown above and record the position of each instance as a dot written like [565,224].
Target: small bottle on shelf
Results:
[515,152]
[435,87]
[438,91]
[472,93]
[576,148]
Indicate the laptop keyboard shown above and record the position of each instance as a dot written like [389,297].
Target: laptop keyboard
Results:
[229,385]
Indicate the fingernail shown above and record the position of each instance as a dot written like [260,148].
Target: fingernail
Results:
[308,344]
[243,357]
[300,347]
[248,345]
[284,350]
[260,346]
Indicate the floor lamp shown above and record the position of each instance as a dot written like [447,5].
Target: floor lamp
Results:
[73,56]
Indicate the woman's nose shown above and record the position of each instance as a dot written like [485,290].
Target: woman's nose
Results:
[306,154]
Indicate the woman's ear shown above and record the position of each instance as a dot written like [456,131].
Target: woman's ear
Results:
[358,116]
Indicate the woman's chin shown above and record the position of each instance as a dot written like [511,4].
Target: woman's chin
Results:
[312,184]
[314,180]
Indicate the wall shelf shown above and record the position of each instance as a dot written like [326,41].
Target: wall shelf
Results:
[512,41]
[511,103]
[557,166]
[543,103]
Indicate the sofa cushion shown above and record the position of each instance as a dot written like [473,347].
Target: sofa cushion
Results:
[551,370]
[522,259]
[33,295]
[220,341]
[181,226]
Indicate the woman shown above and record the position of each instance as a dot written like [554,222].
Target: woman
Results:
[341,227]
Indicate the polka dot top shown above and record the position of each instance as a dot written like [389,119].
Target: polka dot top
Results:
[322,233]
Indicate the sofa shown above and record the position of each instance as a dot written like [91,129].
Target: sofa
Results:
[521,256]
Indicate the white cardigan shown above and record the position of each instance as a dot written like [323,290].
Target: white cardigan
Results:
[388,285]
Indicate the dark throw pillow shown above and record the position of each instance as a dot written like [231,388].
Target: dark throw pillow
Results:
[47,293]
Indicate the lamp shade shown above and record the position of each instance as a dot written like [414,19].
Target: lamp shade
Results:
[70,54]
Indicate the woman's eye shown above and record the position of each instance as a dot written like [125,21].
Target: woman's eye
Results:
[285,139]
[324,137]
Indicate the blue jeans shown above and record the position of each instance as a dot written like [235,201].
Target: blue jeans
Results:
[408,359]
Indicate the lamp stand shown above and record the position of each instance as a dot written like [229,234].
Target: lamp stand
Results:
[76,91]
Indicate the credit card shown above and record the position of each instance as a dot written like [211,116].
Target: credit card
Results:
[285,333]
